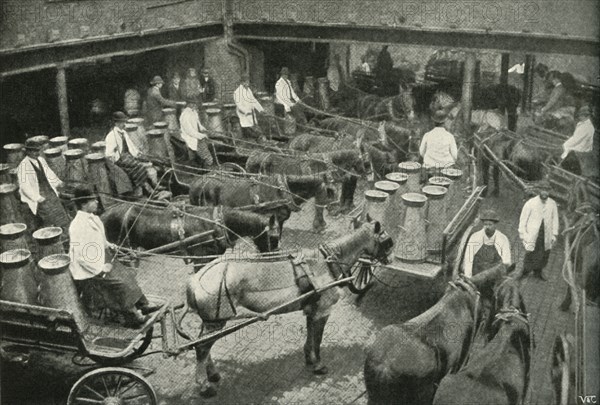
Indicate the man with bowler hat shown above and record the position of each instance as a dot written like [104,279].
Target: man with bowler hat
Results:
[246,108]
[194,133]
[538,229]
[155,102]
[486,247]
[97,274]
[39,185]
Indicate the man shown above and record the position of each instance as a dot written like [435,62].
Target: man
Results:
[333,73]
[246,108]
[174,92]
[207,84]
[486,247]
[285,96]
[155,102]
[438,147]
[191,88]
[39,185]
[121,150]
[95,274]
[383,69]
[582,139]
[194,133]
[538,229]
[560,102]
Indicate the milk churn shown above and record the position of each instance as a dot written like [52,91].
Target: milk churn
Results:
[18,279]
[323,93]
[56,161]
[42,140]
[400,179]
[76,171]
[411,243]
[229,110]
[79,143]
[267,103]
[392,210]
[455,198]
[170,118]
[59,142]
[157,145]
[99,147]
[48,241]
[436,217]
[214,120]
[15,152]
[57,288]
[12,236]
[9,203]
[375,205]
[162,125]
[139,137]
[98,176]
[5,176]
[413,170]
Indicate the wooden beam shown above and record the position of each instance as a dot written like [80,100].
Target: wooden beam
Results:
[63,100]
[467,93]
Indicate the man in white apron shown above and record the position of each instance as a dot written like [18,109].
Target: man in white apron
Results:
[246,108]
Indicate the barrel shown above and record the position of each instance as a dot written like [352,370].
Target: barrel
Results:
[411,243]
[56,161]
[79,143]
[5,176]
[98,176]
[309,87]
[170,117]
[75,168]
[139,137]
[455,198]
[59,142]
[9,203]
[57,288]
[157,145]
[413,170]
[13,236]
[392,210]
[214,120]
[18,279]
[99,147]
[375,205]
[15,152]
[323,84]
[437,218]
[48,241]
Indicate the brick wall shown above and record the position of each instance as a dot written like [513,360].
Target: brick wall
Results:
[226,66]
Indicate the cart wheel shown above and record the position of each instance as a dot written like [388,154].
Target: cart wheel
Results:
[232,167]
[112,385]
[364,278]
[137,351]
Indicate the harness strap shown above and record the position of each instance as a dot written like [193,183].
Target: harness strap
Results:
[223,286]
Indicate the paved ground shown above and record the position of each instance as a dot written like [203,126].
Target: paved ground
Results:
[264,362]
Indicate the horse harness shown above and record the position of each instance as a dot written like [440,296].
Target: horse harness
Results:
[465,284]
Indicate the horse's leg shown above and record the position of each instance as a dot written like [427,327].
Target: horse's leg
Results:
[496,170]
[204,362]
[310,358]
[319,223]
[318,330]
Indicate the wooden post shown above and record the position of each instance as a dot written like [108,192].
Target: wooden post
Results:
[63,100]
[527,83]
[504,62]
[467,94]
[530,81]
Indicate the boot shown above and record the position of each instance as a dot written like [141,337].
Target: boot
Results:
[134,319]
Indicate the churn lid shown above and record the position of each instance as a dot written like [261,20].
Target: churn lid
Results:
[440,181]
[155,133]
[7,188]
[452,173]
[387,186]
[180,103]
[48,234]
[54,264]
[14,147]
[95,157]
[130,127]
[435,192]
[14,258]
[168,111]
[209,104]
[53,152]
[160,125]
[376,195]
[213,110]
[409,167]
[135,120]
[59,140]
[12,230]
[77,143]
[100,145]
[396,177]
[72,154]
[414,199]
[40,139]
[229,105]
[4,168]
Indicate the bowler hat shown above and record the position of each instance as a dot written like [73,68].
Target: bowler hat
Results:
[83,194]
[156,79]
[489,215]
[439,116]
[285,71]
[119,116]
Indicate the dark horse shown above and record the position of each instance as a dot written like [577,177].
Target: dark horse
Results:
[279,194]
[356,103]
[149,227]
[498,373]
[225,290]
[406,361]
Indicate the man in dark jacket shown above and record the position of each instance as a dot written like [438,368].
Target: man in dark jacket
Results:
[208,86]
[155,102]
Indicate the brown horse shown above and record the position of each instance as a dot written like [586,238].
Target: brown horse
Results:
[406,361]
[498,373]
[225,290]
[356,103]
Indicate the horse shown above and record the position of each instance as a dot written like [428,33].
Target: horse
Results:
[152,226]
[356,103]
[406,361]
[277,194]
[498,372]
[223,289]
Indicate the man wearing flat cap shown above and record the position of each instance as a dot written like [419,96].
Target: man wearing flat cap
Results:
[246,108]
[194,134]
[39,186]
[97,274]
[155,102]
[438,146]
[538,229]
[486,247]
[286,98]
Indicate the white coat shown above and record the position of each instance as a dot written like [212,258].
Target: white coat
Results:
[88,246]
[534,211]
[29,187]
[192,129]
[114,144]
[285,94]
[246,104]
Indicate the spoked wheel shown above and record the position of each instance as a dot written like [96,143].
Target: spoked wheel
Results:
[138,349]
[364,277]
[112,386]
[232,167]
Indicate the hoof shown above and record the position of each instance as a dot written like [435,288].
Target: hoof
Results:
[214,378]
[320,370]
[208,391]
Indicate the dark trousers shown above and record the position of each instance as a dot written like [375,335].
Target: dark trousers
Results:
[535,261]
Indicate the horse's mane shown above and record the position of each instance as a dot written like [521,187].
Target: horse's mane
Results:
[351,241]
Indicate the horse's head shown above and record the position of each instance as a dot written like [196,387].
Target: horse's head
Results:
[407,101]
[381,244]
